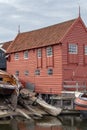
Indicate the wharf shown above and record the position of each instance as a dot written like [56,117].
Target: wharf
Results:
[70,112]
[65,101]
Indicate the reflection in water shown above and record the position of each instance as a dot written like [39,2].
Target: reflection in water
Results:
[82,125]
[5,125]
[47,123]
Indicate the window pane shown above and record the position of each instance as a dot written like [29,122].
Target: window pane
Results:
[50,71]
[16,56]
[73,48]
[85,49]
[17,73]
[26,72]
[39,53]
[49,51]
[25,54]
[37,72]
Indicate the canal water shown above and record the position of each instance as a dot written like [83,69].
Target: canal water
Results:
[47,123]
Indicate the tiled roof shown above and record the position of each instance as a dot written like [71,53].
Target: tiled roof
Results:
[5,45]
[42,37]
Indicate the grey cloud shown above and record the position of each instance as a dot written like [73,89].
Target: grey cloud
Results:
[34,14]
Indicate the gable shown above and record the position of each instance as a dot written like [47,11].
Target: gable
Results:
[76,33]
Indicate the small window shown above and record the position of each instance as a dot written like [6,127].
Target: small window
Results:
[17,73]
[50,71]
[16,56]
[85,49]
[73,48]
[49,51]
[25,54]
[26,73]
[39,53]
[37,72]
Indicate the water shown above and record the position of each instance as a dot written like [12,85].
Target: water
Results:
[47,123]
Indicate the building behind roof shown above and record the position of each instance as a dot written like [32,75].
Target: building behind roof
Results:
[3,48]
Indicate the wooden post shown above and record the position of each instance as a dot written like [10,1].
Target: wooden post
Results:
[61,103]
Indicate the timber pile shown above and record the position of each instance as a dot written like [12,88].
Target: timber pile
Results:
[26,94]
[26,106]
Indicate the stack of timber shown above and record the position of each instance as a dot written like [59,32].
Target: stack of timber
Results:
[12,95]
[45,106]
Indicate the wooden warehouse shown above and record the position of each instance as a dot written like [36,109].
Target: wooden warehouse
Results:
[53,58]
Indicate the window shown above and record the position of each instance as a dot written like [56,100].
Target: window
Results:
[39,53]
[73,48]
[25,54]
[49,51]
[50,71]
[17,73]
[85,49]
[26,73]
[37,72]
[16,56]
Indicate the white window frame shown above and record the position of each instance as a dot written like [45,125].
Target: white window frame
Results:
[39,53]
[85,49]
[26,54]
[16,55]
[49,51]
[73,48]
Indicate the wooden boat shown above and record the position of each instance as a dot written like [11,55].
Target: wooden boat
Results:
[8,83]
[81,104]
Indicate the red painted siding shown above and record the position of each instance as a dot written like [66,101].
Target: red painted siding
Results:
[75,65]
[44,83]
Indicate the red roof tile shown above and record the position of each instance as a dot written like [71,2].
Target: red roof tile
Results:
[6,45]
[42,37]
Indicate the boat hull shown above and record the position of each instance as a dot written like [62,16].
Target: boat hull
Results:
[81,105]
[4,91]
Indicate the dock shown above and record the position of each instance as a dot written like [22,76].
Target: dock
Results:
[65,100]
[70,112]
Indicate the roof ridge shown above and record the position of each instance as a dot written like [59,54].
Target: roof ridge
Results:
[49,26]
[46,36]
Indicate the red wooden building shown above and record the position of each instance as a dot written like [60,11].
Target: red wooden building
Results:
[53,58]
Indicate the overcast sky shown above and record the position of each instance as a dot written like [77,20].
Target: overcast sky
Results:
[35,14]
